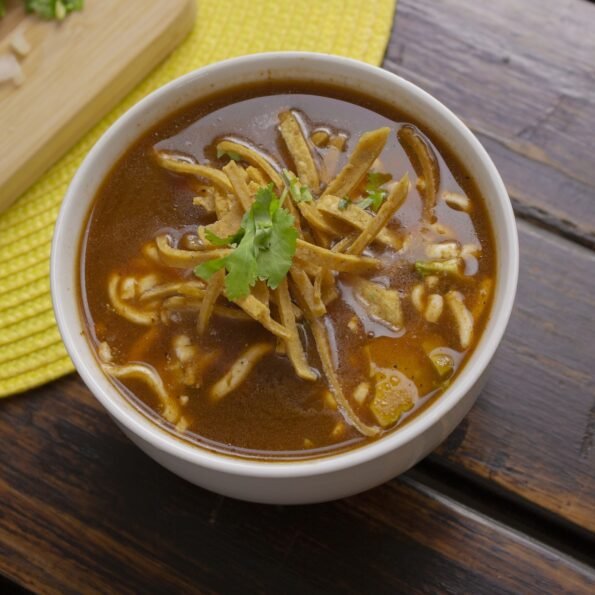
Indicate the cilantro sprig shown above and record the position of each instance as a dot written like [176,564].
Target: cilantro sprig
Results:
[263,247]
[375,194]
[297,191]
[48,9]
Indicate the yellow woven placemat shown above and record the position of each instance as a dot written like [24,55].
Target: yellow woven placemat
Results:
[31,351]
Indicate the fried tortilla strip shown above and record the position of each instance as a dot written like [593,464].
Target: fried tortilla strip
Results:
[317,221]
[171,410]
[237,179]
[165,290]
[293,345]
[328,289]
[425,165]
[185,303]
[322,345]
[146,317]
[254,158]
[381,303]
[240,370]
[390,206]
[205,196]
[356,217]
[261,313]
[206,201]
[214,289]
[185,259]
[306,288]
[337,261]
[369,146]
[261,292]
[296,143]
[255,175]
[216,177]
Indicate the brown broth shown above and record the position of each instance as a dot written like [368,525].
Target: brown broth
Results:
[272,413]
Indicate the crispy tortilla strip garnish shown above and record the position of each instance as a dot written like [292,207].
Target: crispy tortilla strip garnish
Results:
[146,317]
[223,228]
[255,175]
[329,291]
[254,158]
[192,304]
[322,345]
[293,346]
[239,370]
[185,259]
[261,292]
[369,146]
[356,217]
[171,410]
[344,263]
[261,313]
[381,303]
[216,177]
[462,316]
[205,195]
[390,206]
[425,165]
[165,290]
[317,221]
[237,179]
[301,280]
[297,146]
[214,289]
[206,201]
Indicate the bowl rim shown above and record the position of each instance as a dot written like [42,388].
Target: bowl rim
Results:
[141,426]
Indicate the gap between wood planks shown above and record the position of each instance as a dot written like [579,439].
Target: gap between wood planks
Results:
[505,508]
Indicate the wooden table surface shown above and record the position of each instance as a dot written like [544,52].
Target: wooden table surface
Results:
[507,504]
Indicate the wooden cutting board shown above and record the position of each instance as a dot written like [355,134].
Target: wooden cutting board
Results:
[75,72]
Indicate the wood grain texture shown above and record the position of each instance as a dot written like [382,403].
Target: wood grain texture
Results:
[522,76]
[76,71]
[83,510]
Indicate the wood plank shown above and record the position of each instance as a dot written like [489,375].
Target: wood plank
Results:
[83,510]
[522,76]
[532,429]
[65,91]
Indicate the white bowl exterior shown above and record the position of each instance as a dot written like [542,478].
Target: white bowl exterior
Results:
[302,481]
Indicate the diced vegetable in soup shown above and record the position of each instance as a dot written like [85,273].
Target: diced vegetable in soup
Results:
[286,270]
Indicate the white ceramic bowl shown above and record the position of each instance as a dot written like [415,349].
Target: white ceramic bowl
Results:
[327,477]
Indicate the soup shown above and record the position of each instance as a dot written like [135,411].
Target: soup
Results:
[286,270]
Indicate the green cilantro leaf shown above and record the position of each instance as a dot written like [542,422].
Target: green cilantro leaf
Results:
[207,269]
[364,203]
[298,192]
[375,195]
[377,179]
[343,203]
[231,154]
[53,9]
[274,262]
[266,243]
[229,240]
